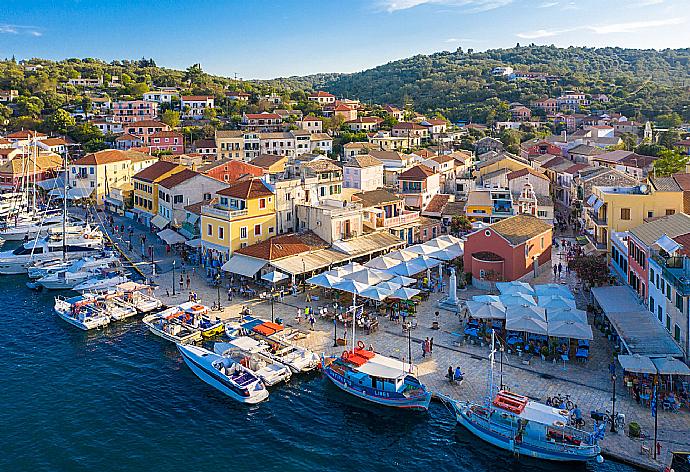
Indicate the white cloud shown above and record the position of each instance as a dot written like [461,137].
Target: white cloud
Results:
[647,3]
[630,27]
[19,29]
[549,4]
[471,6]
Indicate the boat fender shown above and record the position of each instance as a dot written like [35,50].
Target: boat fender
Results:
[86,236]
[565,413]
[360,344]
[345,355]
[559,423]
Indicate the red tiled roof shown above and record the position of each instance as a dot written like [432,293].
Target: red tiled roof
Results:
[53,142]
[312,118]
[105,157]
[25,134]
[247,190]
[146,124]
[342,107]
[178,178]
[259,116]
[437,203]
[418,172]
[683,240]
[406,125]
[154,171]
[233,169]
[286,245]
[196,98]
[166,134]
[321,94]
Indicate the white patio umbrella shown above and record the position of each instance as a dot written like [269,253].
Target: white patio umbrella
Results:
[376,293]
[527,324]
[367,277]
[570,329]
[381,273]
[553,289]
[324,280]
[337,272]
[507,288]
[555,302]
[486,310]
[352,267]
[402,280]
[382,262]
[405,293]
[438,243]
[422,249]
[402,255]
[671,366]
[428,262]
[408,268]
[447,254]
[566,314]
[525,311]
[274,277]
[486,298]
[517,299]
[637,363]
[388,285]
[449,238]
[351,286]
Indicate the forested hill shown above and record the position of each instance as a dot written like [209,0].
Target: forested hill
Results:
[459,84]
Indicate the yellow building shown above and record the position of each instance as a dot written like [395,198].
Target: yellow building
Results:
[615,209]
[230,144]
[145,185]
[97,173]
[244,215]
[270,163]
[498,163]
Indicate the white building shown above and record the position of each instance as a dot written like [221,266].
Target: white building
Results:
[321,141]
[193,106]
[159,96]
[181,190]
[363,172]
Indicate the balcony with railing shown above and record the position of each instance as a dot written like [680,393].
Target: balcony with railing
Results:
[675,270]
[405,218]
[596,218]
[227,214]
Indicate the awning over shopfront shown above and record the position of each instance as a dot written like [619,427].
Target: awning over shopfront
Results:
[243,265]
[195,243]
[159,221]
[639,330]
[309,262]
[170,236]
[73,193]
[369,244]
[637,364]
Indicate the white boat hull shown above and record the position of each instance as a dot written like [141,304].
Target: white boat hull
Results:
[86,325]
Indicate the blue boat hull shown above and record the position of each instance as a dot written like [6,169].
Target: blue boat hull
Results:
[391,399]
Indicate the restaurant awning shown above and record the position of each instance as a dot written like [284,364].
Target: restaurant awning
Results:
[171,237]
[243,265]
[194,243]
[637,364]
[570,329]
[309,262]
[159,221]
[670,366]
[368,244]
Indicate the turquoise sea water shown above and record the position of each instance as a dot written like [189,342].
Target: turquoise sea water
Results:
[122,399]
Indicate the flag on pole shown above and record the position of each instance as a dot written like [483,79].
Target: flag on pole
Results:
[653,402]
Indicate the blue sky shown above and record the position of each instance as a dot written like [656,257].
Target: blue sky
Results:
[271,38]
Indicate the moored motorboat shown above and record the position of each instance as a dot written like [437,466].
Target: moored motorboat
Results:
[224,374]
[133,294]
[377,378]
[79,272]
[104,279]
[81,311]
[253,355]
[172,325]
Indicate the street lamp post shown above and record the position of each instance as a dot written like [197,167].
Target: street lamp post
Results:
[218,289]
[335,332]
[613,409]
[153,266]
[273,290]
[173,278]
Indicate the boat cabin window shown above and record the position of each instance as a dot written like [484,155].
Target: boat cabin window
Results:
[21,250]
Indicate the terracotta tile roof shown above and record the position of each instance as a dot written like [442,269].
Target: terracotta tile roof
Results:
[267,160]
[637,160]
[405,125]
[522,172]
[204,143]
[286,245]
[25,134]
[437,122]
[5,141]
[312,118]
[321,165]
[155,171]
[454,208]
[366,119]
[442,159]
[683,240]
[196,207]
[127,137]
[363,160]
[683,181]
[19,165]
[664,184]
[586,150]
[195,98]
[107,156]
[53,142]
[178,178]
[343,107]
[375,197]
[418,172]
[166,134]
[229,134]
[575,168]
[146,124]
[671,226]
[520,228]
[437,203]
[321,93]
[321,137]
[234,169]
[556,161]
[262,116]
[247,190]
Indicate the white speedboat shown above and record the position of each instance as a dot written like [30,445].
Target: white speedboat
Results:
[170,325]
[29,226]
[81,311]
[79,241]
[298,358]
[80,271]
[253,355]
[224,374]
[133,294]
[105,259]
[103,280]
[116,309]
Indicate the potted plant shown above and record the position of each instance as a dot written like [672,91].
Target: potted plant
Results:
[462,281]
[544,351]
[634,430]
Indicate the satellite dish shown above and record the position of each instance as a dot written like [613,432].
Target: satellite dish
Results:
[644,189]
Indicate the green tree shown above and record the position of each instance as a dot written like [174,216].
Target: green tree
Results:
[138,89]
[649,149]
[209,113]
[669,163]
[668,139]
[171,118]
[60,121]
[85,132]
[511,139]
[86,105]
[29,106]
[5,114]
[460,224]
[669,120]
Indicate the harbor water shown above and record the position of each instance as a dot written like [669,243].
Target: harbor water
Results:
[122,399]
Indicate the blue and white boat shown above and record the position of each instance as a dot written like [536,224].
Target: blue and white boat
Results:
[224,374]
[526,428]
[376,378]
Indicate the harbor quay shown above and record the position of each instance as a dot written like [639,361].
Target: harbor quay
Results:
[588,385]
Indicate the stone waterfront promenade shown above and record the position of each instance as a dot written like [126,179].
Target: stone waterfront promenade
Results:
[588,385]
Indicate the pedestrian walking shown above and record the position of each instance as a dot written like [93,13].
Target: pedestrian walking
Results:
[311,322]
[431,345]
[555,269]
[560,269]
[423,348]
[299,315]
[189,281]
[181,283]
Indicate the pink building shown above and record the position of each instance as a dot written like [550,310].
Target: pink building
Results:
[166,141]
[132,111]
[508,250]
[144,129]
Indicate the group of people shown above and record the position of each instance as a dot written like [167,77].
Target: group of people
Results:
[308,315]
[454,375]
[427,347]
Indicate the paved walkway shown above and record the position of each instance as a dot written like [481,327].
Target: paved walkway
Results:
[589,385]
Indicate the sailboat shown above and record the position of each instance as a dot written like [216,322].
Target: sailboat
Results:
[376,378]
[78,272]
[525,427]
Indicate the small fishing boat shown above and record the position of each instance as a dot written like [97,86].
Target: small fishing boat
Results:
[282,349]
[525,427]
[131,293]
[104,279]
[252,354]
[376,378]
[173,325]
[116,309]
[81,311]
[201,320]
[224,374]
